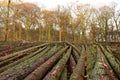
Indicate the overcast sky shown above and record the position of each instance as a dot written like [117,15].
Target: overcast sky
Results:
[49,4]
[53,3]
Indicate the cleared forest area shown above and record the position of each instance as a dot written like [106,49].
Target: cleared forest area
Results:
[59,61]
[73,42]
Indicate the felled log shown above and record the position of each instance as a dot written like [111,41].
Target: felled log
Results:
[75,55]
[78,73]
[42,51]
[64,74]
[74,47]
[72,63]
[101,70]
[91,60]
[22,73]
[113,61]
[55,73]
[43,69]
[20,52]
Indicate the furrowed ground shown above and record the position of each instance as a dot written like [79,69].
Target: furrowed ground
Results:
[59,61]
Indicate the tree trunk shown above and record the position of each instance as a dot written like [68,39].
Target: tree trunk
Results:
[60,34]
[7,22]
[106,31]
[49,33]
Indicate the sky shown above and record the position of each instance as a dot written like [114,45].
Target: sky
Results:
[49,4]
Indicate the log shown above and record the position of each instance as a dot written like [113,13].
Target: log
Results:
[91,60]
[20,52]
[98,71]
[74,47]
[64,74]
[20,61]
[102,70]
[22,73]
[108,70]
[78,73]
[75,55]
[55,73]
[113,61]
[72,63]
[43,69]
[15,58]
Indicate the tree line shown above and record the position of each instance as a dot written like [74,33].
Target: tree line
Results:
[74,23]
